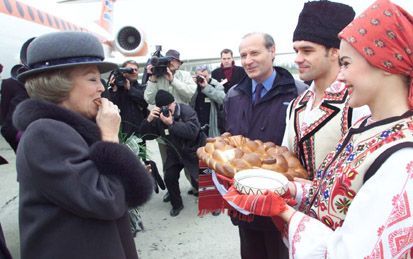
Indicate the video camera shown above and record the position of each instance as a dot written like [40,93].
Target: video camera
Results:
[159,65]
[159,62]
[120,80]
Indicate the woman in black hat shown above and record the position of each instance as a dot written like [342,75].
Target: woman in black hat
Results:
[76,181]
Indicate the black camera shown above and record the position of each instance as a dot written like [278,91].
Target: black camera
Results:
[199,79]
[160,65]
[120,80]
[165,111]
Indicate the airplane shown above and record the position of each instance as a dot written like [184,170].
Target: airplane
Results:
[22,21]
[125,42]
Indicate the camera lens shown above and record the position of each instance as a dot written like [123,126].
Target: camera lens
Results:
[199,79]
[165,111]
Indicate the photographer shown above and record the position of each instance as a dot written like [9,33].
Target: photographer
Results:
[207,101]
[127,94]
[165,75]
[178,125]
[178,82]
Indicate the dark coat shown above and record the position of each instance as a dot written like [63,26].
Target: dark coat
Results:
[74,188]
[237,75]
[9,89]
[12,93]
[183,139]
[264,121]
[132,105]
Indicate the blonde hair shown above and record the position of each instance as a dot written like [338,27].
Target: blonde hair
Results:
[53,86]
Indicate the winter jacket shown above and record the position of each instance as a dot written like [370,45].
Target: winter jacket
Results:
[182,138]
[182,87]
[74,188]
[264,121]
[215,94]
[132,105]
[238,74]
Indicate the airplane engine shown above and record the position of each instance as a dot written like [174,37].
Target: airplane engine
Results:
[131,42]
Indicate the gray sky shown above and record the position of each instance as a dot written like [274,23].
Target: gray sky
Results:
[200,29]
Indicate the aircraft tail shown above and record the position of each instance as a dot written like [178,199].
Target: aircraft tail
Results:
[106,16]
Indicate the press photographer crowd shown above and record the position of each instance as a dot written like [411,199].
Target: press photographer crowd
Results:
[316,165]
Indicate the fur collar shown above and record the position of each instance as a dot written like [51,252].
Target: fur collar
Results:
[31,110]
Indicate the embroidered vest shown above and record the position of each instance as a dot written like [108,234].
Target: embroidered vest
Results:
[342,173]
[316,140]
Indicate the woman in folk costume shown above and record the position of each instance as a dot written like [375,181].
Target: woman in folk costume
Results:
[75,180]
[360,203]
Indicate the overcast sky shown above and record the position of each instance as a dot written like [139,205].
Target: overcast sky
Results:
[200,29]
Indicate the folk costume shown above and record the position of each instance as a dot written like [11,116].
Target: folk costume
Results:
[312,132]
[360,202]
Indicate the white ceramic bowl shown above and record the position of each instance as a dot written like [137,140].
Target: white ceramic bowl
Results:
[257,181]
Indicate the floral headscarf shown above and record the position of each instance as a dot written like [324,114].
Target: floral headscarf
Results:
[383,35]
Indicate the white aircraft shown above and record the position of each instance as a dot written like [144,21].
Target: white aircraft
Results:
[20,21]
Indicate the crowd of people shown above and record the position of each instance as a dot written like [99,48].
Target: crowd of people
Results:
[351,128]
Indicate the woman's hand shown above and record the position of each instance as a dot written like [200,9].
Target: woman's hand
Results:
[108,120]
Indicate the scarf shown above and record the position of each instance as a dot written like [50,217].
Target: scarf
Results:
[228,71]
[383,35]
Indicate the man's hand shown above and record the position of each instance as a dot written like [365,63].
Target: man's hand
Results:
[151,78]
[169,76]
[202,83]
[167,120]
[153,114]
[112,84]
[127,84]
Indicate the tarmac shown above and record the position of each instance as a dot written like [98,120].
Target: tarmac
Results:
[184,236]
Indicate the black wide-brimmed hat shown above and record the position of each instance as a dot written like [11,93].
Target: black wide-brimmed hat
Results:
[321,21]
[60,50]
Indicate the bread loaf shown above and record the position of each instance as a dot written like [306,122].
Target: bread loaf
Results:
[229,154]
[252,159]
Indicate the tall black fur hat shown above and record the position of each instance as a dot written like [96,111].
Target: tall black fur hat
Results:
[321,21]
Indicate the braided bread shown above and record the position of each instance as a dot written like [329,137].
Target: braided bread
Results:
[229,154]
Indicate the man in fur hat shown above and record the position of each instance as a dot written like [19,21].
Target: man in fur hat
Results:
[318,118]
